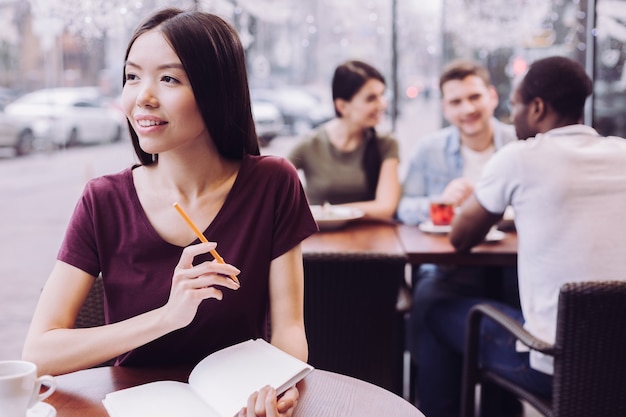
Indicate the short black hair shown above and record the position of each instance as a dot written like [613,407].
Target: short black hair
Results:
[559,81]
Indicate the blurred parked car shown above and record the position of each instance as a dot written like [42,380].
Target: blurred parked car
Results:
[301,110]
[268,121]
[68,116]
[14,135]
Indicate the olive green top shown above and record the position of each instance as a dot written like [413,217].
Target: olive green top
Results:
[332,175]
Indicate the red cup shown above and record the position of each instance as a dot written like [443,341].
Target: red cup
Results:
[441,212]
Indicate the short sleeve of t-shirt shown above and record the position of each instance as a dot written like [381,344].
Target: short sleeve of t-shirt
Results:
[96,209]
[389,148]
[500,180]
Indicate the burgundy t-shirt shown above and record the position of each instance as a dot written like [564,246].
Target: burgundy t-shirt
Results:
[264,215]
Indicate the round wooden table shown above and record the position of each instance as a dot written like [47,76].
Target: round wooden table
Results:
[322,393]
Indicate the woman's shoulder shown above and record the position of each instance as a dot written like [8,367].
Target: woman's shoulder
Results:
[386,138]
[388,144]
[313,137]
[266,176]
[310,146]
[110,183]
[267,164]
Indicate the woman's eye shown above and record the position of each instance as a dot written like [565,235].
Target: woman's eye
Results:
[169,79]
[130,77]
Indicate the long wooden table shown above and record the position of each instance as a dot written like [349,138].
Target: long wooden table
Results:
[365,239]
[421,248]
[360,239]
[322,394]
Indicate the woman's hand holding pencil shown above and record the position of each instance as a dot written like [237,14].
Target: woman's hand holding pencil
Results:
[201,236]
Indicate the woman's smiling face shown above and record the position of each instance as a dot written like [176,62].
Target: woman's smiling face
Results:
[368,105]
[158,99]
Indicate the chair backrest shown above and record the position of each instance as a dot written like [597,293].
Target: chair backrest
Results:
[92,312]
[590,364]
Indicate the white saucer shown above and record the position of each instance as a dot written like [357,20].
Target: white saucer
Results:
[429,227]
[495,235]
[41,410]
[331,217]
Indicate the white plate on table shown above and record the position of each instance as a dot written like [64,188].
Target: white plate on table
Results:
[330,217]
[494,234]
[429,227]
[41,409]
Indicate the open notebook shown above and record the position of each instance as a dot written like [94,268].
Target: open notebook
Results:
[219,386]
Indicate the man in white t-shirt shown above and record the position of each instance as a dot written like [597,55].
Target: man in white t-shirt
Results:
[567,185]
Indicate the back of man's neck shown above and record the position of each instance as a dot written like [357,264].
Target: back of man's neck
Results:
[555,121]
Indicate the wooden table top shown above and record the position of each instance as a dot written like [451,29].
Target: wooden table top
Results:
[357,239]
[322,393]
[370,239]
[421,248]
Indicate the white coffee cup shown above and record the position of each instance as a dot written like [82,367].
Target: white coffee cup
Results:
[20,387]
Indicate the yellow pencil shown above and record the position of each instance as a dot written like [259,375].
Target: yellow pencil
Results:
[203,239]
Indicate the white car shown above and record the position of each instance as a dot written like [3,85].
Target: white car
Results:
[15,136]
[301,110]
[68,116]
[268,121]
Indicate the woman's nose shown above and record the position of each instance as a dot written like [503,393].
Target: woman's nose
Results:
[382,102]
[146,98]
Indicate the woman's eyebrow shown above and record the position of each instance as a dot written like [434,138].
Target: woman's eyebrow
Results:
[173,65]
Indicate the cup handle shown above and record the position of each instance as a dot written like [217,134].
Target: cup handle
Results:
[46,381]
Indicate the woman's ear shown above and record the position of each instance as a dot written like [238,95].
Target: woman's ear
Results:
[340,105]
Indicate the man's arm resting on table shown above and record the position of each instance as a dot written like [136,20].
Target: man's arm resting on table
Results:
[471,225]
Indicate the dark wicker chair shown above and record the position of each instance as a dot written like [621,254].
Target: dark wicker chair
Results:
[91,313]
[589,363]
[351,317]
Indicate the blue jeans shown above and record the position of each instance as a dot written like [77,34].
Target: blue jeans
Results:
[440,355]
[434,283]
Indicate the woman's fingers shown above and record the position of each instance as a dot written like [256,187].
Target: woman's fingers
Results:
[288,400]
[206,273]
[264,403]
[191,284]
[271,408]
[190,252]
